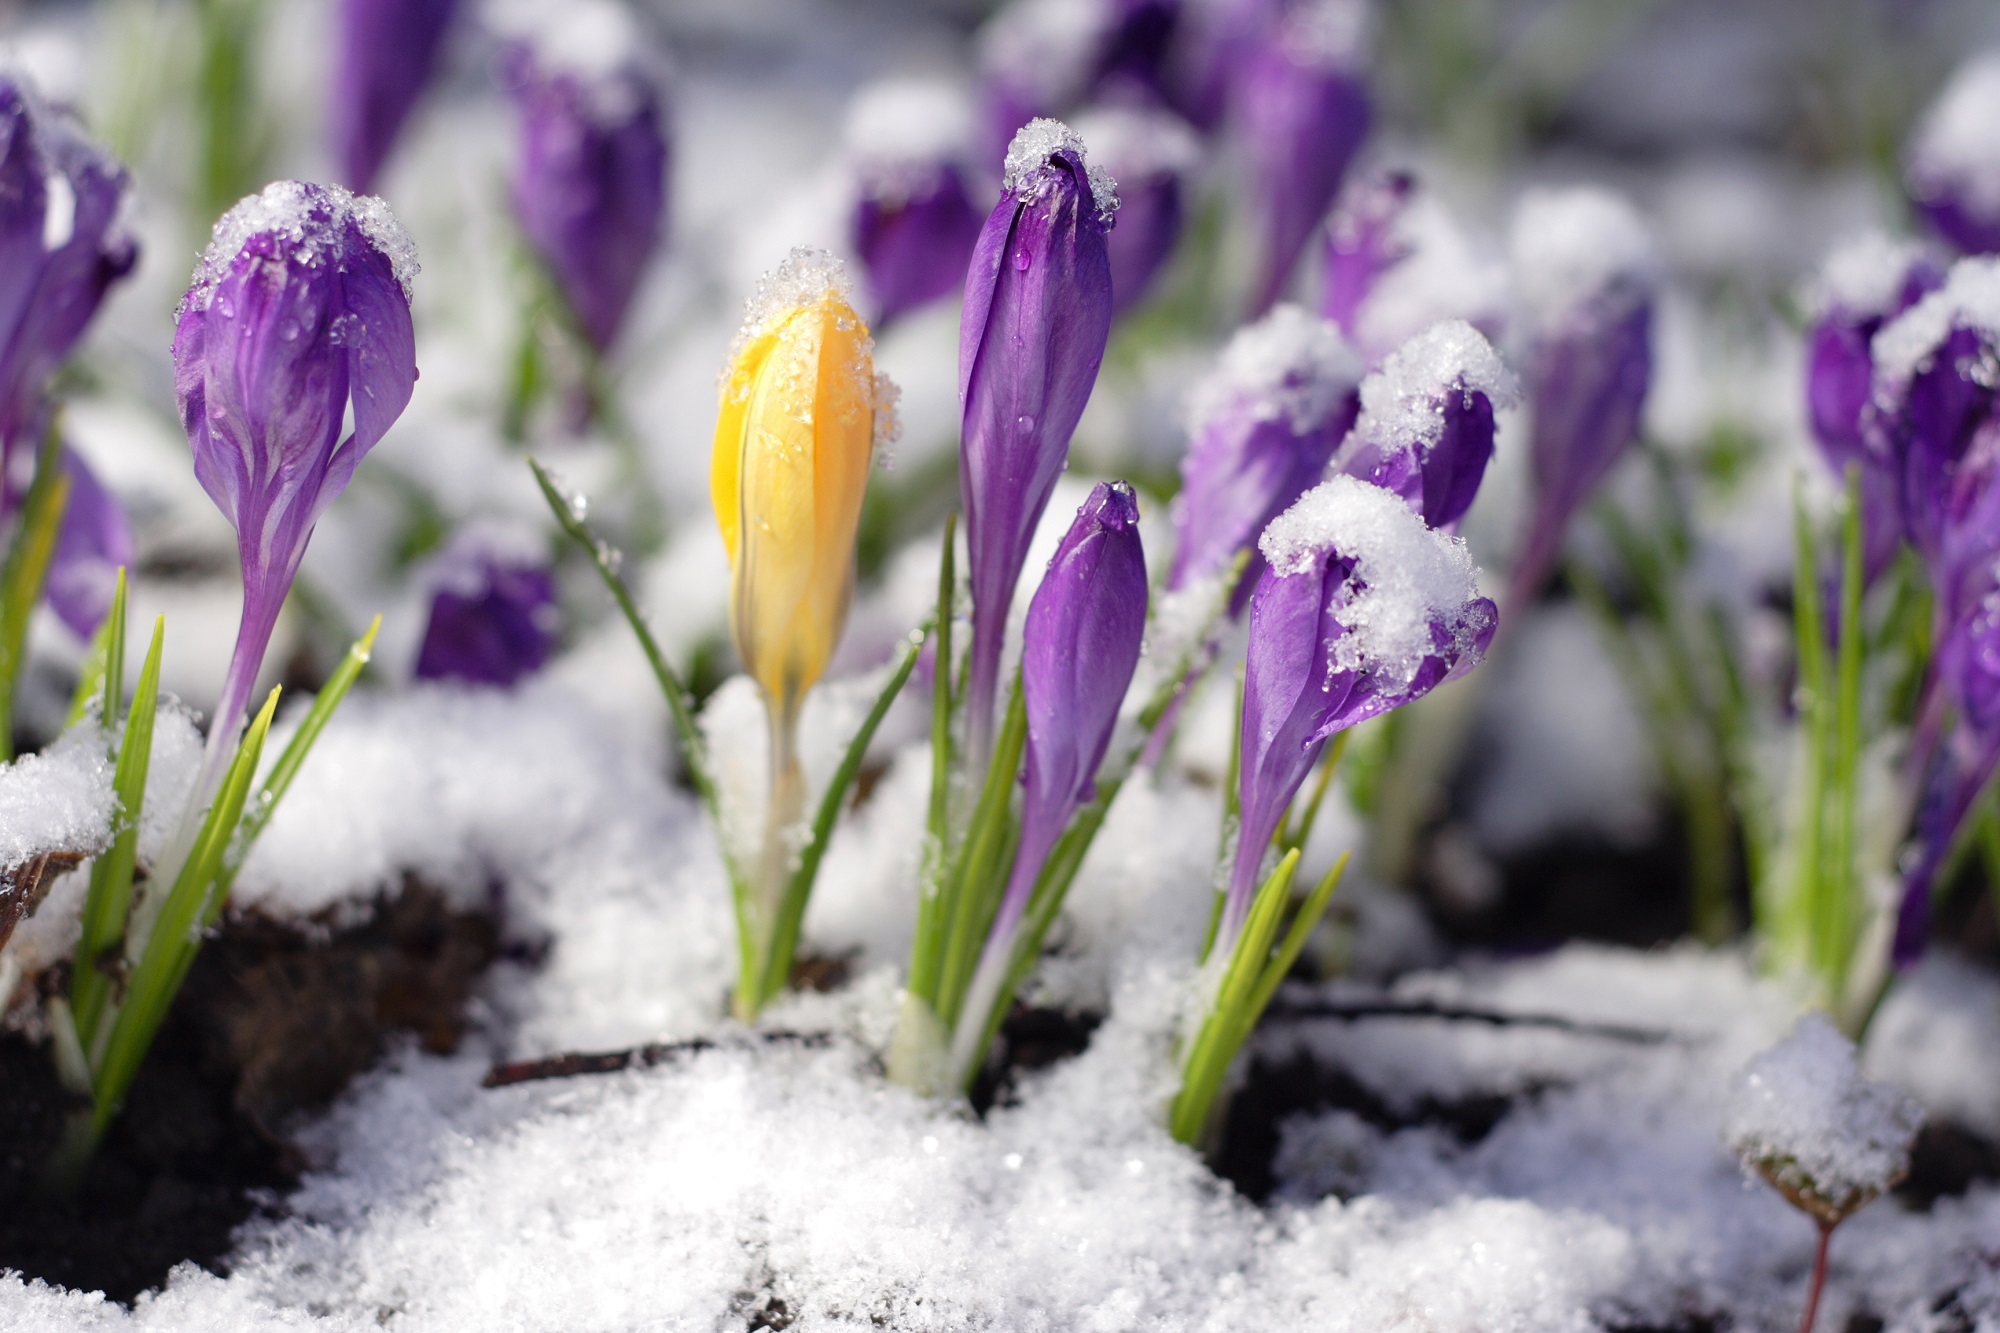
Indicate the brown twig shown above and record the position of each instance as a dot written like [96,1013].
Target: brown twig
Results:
[1353,1010]
[574,1064]
[1818,1276]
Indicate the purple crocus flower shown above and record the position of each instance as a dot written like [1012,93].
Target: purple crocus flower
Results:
[493,616]
[1361,609]
[1361,243]
[1036,318]
[1047,57]
[1150,153]
[1586,273]
[1953,174]
[914,224]
[1863,286]
[1301,112]
[1079,647]
[388,51]
[590,181]
[299,310]
[61,248]
[1426,426]
[93,544]
[1262,426]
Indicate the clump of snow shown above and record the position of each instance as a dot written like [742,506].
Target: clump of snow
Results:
[313,219]
[1407,577]
[597,43]
[807,276]
[1969,299]
[1136,144]
[1938,1034]
[1865,275]
[1291,364]
[1576,247]
[1025,171]
[57,801]
[1955,150]
[1803,1116]
[1440,273]
[1042,49]
[899,130]
[1402,404]
[1330,34]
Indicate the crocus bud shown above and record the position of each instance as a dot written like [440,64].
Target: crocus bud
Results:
[1953,175]
[1047,57]
[61,248]
[1362,609]
[1396,263]
[1036,318]
[913,224]
[93,544]
[1301,111]
[1426,426]
[1261,427]
[388,50]
[493,614]
[802,412]
[1863,285]
[1585,274]
[299,310]
[1150,154]
[590,180]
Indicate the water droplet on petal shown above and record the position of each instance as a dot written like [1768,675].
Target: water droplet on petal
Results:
[1025,425]
[1022,259]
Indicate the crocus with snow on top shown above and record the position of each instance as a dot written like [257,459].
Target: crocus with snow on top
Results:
[1036,318]
[1301,111]
[493,616]
[1150,153]
[1361,609]
[1047,57]
[1426,426]
[93,544]
[61,248]
[913,224]
[590,177]
[1079,647]
[1262,426]
[1586,273]
[387,52]
[1953,172]
[299,311]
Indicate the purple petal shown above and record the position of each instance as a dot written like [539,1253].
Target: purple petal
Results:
[94,543]
[1361,245]
[388,51]
[914,242]
[493,617]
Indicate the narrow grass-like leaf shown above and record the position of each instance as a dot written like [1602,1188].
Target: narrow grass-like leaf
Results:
[1280,964]
[26,572]
[941,695]
[1836,927]
[980,874]
[101,682]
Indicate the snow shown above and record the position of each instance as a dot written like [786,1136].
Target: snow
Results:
[1865,275]
[1575,247]
[898,127]
[1802,1115]
[1043,48]
[1970,298]
[290,209]
[1407,578]
[1402,403]
[1442,274]
[598,43]
[1024,173]
[1291,364]
[1954,150]
[57,801]
[1138,144]
[1332,34]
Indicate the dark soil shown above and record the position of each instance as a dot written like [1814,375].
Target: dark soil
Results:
[1946,1160]
[271,1024]
[1029,1039]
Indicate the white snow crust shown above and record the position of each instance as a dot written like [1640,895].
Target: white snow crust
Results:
[1969,299]
[1413,576]
[1291,364]
[1865,275]
[598,43]
[1955,149]
[284,207]
[896,127]
[1575,246]
[1403,402]
[1044,48]
[57,801]
[1027,159]
[1137,144]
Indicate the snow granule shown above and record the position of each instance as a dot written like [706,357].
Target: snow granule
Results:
[1577,245]
[1802,1114]
[57,801]
[1970,298]
[1955,149]
[1402,404]
[1865,275]
[1407,576]
[898,123]
[1290,364]
[1028,155]
[805,276]
[1136,144]
[285,207]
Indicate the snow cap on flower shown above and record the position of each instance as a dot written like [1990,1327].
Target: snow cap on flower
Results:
[1032,331]
[1361,609]
[92,545]
[299,310]
[1261,427]
[1302,110]
[387,52]
[801,416]
[1151,154]
[1396,263]
[590,177]
[1802,1116]
[1426,426]
[493,616]
[913,223]
[1953,173]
